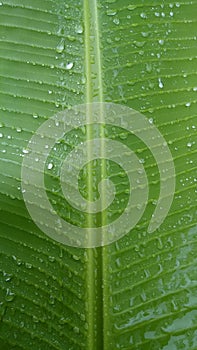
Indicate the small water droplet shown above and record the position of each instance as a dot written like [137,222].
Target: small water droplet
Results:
[161,41]
[111,12]
[25,151]
[116,21]
[139,43]
[75,257]
[161,85]
[69,65]
[28,265]
[145,34]
[82,317]
[35,319]
[143,15]
[131,7]
[60,46]
[149,67]
[150,120]
[188,104]
[76,329]
[18,129]
[118,262]
[79,29]
[51,258]
[71,38]
[51,300]
[1,135]
[9,295]
[159,243]
[50,166]
[7,276]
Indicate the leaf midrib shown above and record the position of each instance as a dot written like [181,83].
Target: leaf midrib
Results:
[95,257]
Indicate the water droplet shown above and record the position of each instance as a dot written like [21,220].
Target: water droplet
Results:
[189,144]
[75,257]
[60,46]
[18,129]
[28,265]
[161,41]
[195,88]
[111,12]
[79,29]
[116,21]
[71,38]
[161,85]
[143,15]
[139,43]
[76,329]
[35,116]
[51,258]
[188,104]
[1,135]
[149,67]
[7,276]
[69,65]
[50,166]
[25,151]
[35,319]
[131,7]
[118,262]
[51,300]
[159,243]
[145,34]
[9,295]
[82,317]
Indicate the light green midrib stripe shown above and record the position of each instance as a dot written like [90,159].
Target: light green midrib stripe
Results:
[95,292]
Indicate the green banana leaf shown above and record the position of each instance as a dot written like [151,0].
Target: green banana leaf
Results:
[139,292]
